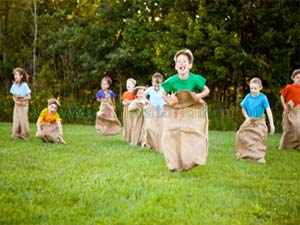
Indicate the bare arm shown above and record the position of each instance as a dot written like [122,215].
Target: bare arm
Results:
[204,93]
[38,127]
[270,117]
[169,101]
[60,131]
[99,99]
[282,99]
[245,114]
[16,100]
[126,102]
[166,98]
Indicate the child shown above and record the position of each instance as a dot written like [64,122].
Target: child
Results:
[136,113]
[155,92]
[48,125]
[107,122]
[185,132]
[21,95]
[251,137]
[153,123]
[184,79]
[127,97]
[290,100]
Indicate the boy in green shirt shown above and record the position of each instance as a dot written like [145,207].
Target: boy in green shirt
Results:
[184,79]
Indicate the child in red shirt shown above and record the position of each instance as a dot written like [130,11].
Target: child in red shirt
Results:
[290,100]
[127,98]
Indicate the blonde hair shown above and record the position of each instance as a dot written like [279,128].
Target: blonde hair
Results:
[185,52]
[295,73]
[132,81]
[256,80]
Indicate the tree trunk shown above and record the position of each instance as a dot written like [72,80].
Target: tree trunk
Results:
[34,14]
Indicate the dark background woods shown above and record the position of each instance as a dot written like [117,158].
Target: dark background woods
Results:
[68,45]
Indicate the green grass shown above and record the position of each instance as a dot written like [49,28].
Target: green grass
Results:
[102,180]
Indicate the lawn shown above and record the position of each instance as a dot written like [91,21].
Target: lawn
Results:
[103,180]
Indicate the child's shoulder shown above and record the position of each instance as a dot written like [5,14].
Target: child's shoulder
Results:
[263,96]
[110,91]
[44,111]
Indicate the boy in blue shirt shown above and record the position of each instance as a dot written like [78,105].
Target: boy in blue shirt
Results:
[251,137]
[154,93]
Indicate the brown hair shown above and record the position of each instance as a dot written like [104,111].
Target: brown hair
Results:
[157,77]
[22,72]
[185,52]
[136,89]
[108,80]
[256,80]
[295,73]
[53,101]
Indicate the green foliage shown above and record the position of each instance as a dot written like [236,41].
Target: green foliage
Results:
[102,180]
[81,41]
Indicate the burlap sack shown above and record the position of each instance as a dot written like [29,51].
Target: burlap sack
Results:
[291,129]
[50,133]
[20,127]
[127,124]
[153,125]
[136,113]
[251,139]
[107,122]
[185,132]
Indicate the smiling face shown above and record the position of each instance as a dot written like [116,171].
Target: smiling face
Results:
[296,79]
[156,84]
[52,108]
[255,89]
[129,85]
[183,65]
[140,94]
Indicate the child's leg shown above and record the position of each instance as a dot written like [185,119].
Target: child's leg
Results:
[16,130]
[24,122]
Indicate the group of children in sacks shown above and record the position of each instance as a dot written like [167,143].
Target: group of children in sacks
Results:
[171,116]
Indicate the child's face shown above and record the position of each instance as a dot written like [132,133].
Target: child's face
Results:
[156,85]
[296,79]
[255,89]
[140,94]
[17,77]
[182,64]
[129,85]
[104,85]
[52,108]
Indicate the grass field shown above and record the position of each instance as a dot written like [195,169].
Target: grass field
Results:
[102,180]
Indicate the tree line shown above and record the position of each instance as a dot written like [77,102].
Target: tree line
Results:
[68,45]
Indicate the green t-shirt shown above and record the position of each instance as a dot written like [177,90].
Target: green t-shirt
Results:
[192,83]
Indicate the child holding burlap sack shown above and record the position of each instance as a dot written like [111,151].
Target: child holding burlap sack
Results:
[252,135]
[49,127]
[290,100]
[153,122]
[185,132]
[135,109]
[107,122]
[127,97]
[21,96]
